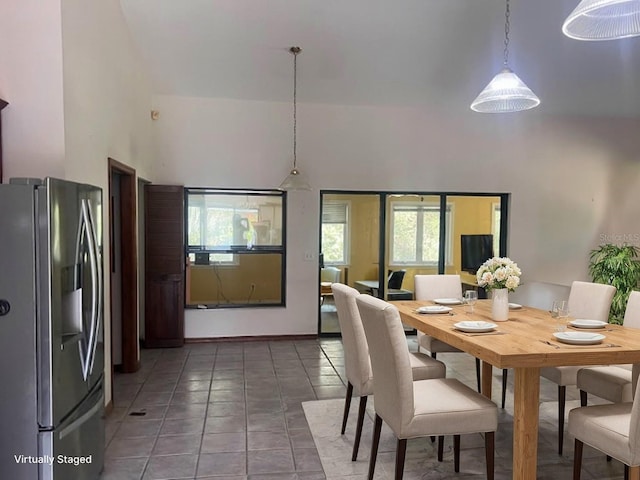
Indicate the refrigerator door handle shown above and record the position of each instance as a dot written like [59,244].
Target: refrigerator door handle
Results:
[86,231]
[97,297]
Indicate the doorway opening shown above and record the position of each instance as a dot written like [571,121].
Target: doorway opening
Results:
[123,270]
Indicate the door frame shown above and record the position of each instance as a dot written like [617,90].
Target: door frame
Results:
[128,261]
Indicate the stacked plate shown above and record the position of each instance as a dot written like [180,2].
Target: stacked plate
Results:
[477,326]
[434,309]
[579,338]
[447,301]
[582,323]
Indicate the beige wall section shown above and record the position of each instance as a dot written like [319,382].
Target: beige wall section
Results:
[230,284]
[364,236]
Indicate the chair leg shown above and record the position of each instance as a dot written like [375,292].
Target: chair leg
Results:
[577,459]
[440,447]
[347,404]
[583,398]
[377,426]
[478,375]
[505,372]
[356,442]
[456,453]
[489,453]
[400,454]
[562,394]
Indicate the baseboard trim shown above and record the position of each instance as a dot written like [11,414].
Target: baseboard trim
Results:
[257,338]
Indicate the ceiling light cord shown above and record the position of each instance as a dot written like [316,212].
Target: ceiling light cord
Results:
[295,51]
[295,180]
[507,14]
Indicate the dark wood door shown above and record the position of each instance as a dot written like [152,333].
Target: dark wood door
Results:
[164,266]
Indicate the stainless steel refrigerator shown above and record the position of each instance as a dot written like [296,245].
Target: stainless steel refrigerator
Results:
[51,333]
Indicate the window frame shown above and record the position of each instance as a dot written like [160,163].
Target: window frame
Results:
[237,250]
[448,229]
[495,229]
[346,240]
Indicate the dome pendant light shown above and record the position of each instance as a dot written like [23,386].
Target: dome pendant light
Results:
[506,92]
[603,20]
[295,180]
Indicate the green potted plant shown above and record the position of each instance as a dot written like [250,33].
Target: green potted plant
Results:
[616,265]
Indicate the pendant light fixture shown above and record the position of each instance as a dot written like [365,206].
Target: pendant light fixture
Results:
[295,180]
[603,20]
[506,92]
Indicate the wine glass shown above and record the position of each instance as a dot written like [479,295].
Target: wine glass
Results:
[562,312]
[470,298]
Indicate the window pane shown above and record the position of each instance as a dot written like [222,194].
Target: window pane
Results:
[430,236]
[193,228]
[496,230]
[333,242]
[220,229]
[334,236]
[405,228]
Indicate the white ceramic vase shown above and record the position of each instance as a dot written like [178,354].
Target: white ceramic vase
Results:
[500,305]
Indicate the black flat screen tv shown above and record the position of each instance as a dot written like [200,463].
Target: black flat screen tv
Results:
[475,250]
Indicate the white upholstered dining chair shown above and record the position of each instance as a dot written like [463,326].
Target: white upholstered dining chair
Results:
[614,429]
[586,300]
[413,409]
[612,382]
[357,362]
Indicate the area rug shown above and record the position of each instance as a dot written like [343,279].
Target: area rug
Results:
[325,419]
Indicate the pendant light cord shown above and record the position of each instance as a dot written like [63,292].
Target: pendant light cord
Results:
[295,51]
[507,13]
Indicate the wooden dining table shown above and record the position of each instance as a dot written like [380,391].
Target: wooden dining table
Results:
[524,342]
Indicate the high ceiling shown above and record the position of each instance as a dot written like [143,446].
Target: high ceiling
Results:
[438,53]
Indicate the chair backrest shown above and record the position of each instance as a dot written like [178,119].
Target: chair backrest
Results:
[430,287]
[395,279]
[330,274]
[590,300]
[632,311]
[393,387]
[356,351]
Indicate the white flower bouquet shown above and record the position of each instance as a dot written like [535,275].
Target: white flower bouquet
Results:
[499,272]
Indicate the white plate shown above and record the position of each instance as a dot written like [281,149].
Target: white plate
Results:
[514,306]
[475,326]
[582,323]
[579,338]
[434,309]
[447,301]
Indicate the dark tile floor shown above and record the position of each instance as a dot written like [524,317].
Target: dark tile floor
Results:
[233,411]
[222,410]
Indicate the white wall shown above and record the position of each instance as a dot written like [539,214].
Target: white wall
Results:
[563,174]
[31,81]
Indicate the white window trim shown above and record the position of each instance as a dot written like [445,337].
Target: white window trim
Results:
[495,206]
[448,231]
[347,239]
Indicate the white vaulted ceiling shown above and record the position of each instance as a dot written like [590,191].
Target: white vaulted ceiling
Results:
[422,53]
